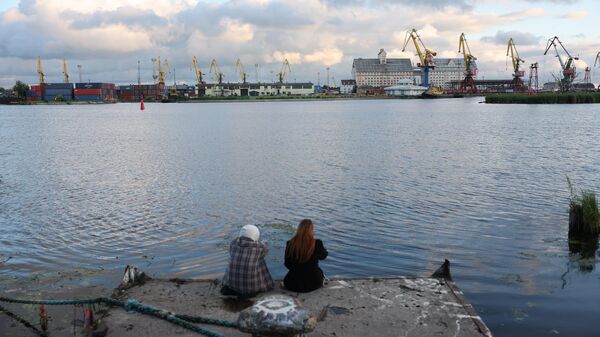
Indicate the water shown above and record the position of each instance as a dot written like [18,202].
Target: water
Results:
[394,187]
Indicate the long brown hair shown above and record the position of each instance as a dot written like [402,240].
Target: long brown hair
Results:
[302,245]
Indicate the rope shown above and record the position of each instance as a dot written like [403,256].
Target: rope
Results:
[134,305]
[105,300]
[184,321]
[21,320]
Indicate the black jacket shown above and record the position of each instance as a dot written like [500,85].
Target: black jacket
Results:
[305,277]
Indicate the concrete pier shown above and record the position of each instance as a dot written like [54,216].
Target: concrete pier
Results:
[403,306]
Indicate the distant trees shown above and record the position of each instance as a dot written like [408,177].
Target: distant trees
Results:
[20,89]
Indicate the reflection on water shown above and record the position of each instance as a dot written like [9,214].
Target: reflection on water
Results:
[393,186]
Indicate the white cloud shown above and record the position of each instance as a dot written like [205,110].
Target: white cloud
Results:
[574,15]
[109,37]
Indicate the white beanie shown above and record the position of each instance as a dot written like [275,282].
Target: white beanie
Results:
[250,232]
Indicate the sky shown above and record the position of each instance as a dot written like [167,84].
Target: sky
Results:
[107,38]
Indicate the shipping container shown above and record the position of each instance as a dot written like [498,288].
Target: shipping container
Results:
[88,92]
[59,86]
[54,92]
[53,98]
[88,98]
[94,85]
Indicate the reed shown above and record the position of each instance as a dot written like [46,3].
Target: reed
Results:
[545,98]
[584,218]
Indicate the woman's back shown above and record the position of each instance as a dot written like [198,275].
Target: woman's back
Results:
[305,276]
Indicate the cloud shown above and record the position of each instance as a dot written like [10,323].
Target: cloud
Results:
[574,15]
[425,3]
[519,38]
[108,37]
[128,16]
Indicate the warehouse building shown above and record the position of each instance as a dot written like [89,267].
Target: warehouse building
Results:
[381,71]
[259,89]
[373,73]
[348,87]
[446,71]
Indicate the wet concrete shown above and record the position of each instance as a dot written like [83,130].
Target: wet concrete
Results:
[357,307]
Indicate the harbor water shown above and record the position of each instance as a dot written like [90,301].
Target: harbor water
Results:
[393,186]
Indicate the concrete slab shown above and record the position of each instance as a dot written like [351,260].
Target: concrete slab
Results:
[404,306]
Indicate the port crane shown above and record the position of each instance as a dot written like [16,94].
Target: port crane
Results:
[468,84]
[40,72]
[214,68]
[240,68]
[197,71]
[425,55]
[162,69]
[568,67]
[533,78]
[587,77]
[65,72]
[284,70]
[597,61]
[517,82]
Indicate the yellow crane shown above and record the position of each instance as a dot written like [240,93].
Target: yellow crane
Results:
[197,71]
[40,72]
[240,68]
[468,84]
[214,68]
[425,55]
[65,72]
[284,70]
[517,82]
[163,69]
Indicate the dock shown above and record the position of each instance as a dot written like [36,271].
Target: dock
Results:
[396,306]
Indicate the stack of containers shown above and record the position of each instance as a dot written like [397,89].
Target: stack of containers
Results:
[125,93]
[35,93]
[54,90]
[108,91]
[94,91]
[89,91]
[133,93]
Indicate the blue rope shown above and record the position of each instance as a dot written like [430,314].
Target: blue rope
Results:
[133,305]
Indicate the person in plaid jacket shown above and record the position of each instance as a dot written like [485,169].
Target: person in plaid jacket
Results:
[247,273]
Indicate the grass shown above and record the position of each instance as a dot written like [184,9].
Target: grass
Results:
[545,98]
[584,217]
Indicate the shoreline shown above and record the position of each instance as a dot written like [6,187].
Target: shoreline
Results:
[240,100]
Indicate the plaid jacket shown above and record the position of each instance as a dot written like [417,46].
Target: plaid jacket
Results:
[247,272]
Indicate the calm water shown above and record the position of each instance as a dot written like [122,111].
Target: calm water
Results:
[394,187]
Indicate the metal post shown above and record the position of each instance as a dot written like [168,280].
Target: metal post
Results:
[79,68]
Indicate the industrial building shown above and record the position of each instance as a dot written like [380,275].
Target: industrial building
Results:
[446,71]
[381,71]
[348,87]
[258,89]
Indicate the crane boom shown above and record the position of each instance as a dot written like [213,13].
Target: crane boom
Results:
[65,72]
[284,70]
[463,47]
[240,68]
[468,84]
[40,72]
[162,69]
[214,68]
[568,68]
[597,61]
[516,59]
[197,70]
[425,55]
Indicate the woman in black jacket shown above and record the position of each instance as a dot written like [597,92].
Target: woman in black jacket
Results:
[302,255]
